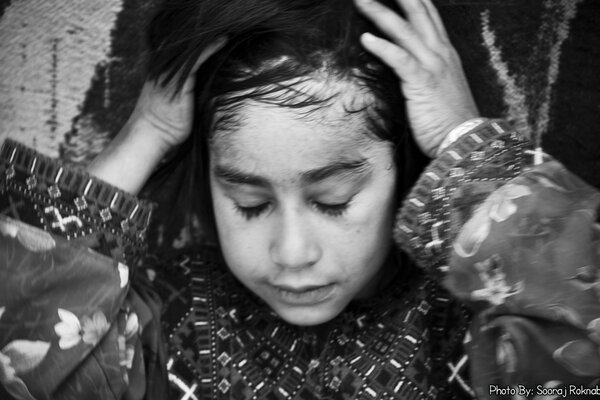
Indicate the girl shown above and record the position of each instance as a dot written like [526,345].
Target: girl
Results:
[290,122]
[300,140]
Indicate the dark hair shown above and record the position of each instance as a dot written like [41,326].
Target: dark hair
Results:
[270,43]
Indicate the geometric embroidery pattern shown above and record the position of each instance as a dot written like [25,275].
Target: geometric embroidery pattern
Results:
[227,344]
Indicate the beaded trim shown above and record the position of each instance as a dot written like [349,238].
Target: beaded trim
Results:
[487,156]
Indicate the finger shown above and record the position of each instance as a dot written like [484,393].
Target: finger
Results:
[437,20]
[420,18]
[170,82]
[406,67]
[398,29]
[208,52]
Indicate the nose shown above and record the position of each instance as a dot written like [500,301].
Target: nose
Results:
[294,243]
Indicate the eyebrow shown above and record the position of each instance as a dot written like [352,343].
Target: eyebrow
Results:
[234,176]
[356,167]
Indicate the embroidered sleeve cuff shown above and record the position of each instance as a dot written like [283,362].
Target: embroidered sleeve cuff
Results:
[67,201]
[451,187]
[457,132]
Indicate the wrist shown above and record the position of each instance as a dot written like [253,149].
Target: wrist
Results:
[458,131]
[149,139]
[452,186]
[131,156]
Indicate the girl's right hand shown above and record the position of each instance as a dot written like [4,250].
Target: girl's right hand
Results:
[168,113]
[161,120]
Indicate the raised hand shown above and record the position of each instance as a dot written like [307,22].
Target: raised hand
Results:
[162,119]
[437,94]
[168,112]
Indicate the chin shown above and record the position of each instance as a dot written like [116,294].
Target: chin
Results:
[307,316]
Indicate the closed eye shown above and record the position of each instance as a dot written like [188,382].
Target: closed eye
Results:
[252,211]
[332,210]
[329,209]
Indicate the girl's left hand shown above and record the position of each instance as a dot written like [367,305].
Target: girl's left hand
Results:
[437,94]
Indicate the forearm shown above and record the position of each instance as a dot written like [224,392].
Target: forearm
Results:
[68,244]
[130,158]
[453,185]
[487,220]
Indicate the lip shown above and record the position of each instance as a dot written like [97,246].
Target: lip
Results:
[304,295]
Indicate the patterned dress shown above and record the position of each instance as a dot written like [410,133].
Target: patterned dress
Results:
[86,313]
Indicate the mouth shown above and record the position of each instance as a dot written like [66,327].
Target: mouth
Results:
[304,295]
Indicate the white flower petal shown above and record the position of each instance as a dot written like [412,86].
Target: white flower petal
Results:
[64,329]
[68,317]
[100,320]
[68,330]
[123,274]
[8,228]
[35,240]
[94,328]
[7,372]
[25,355]
[471,237]
[501,211]
[2,309]
[66,342]
[129,354]
[132,326]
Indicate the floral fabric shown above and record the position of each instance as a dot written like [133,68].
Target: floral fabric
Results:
[519,244]
[527,261]
[70,323]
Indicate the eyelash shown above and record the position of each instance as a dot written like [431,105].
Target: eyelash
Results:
[252,212]
[332,210]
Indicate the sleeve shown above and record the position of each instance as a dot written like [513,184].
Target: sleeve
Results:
[76,321]
[519,244]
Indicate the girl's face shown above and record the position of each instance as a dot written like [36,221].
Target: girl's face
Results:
[304,207]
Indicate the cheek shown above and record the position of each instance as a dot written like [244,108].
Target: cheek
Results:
[363,243]
[240,244]
[377,209]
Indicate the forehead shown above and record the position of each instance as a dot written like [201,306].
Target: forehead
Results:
[277,143]
[268,136]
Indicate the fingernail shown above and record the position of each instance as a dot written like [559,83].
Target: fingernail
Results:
[367,37]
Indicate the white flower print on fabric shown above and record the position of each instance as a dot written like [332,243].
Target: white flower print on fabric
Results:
[71,331]
[498,207]
[33,239]
[132,328]
[18,357]
[94,328]
[123,274]
[496,289]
